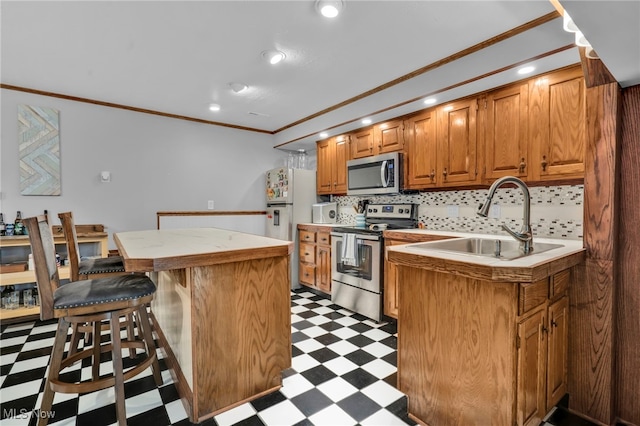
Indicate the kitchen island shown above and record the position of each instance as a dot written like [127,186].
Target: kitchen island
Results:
[483,341]
[221,311]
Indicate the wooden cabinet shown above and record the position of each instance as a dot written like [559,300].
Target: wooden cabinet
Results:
[17,248]
[315,257]
[441,148]
[542,352]
[506,138]
[420,150]
[362,143]
[378,139]
[332,157]
[557,125]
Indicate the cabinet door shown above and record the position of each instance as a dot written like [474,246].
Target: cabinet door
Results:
[339,171]
[457,154]
[557,125]
[323,268]
[388,137]
[421,148]
[362,142]
[506,132]
[557,351]
[324,158]
[530,405]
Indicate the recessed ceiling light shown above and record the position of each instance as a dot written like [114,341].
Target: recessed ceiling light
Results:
[526,70]
[214,107]
[238,87]
[324,134]
[366,121]
[273,56]
[329,8]
[430,101]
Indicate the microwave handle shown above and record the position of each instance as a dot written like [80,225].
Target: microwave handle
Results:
[384,175]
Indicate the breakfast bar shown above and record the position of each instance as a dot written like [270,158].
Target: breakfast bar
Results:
[221,311]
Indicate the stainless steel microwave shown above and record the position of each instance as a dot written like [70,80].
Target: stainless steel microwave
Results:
[380,174]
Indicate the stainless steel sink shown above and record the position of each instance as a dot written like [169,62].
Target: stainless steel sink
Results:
[488,247]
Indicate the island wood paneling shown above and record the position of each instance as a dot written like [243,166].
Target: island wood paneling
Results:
[457,363]
[628,295]
[591,331]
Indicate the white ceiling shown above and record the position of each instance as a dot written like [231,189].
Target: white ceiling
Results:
[177,57]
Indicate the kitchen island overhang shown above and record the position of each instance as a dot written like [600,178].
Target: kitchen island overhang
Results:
[221,312]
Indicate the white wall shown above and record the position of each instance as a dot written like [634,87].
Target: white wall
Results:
[156,164]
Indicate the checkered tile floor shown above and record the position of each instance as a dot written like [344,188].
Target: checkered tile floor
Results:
[343,373]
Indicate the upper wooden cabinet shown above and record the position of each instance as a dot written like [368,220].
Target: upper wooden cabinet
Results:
[362,143]
[507,133]
[557,125]
[441,148]
[378,139]
[332,157]
[420,150]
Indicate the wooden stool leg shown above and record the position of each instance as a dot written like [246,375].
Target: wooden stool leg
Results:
[131,336]
[75,339]
[95,366]
[57,352]
[118,375]
[145,326]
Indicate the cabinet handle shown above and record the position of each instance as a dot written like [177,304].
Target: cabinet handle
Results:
[544,163]
[522,165]
[433,174]
[444,173]
[306,254]
[554,323]
[544,329]
[335,183]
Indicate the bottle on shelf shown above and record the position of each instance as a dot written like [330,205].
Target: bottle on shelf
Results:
[17,230]
[2,225]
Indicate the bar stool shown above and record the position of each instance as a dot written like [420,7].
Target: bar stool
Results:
[89,269]
[90,302]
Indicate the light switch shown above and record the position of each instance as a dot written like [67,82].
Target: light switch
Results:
[494,212]
[105,177]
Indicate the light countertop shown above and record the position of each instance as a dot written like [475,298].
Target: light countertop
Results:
[164,249]
[527,268]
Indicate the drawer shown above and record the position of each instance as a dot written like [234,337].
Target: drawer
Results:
[324,238]
[307,274]
[307,236]
[532,295]
[559,284]
[307,253]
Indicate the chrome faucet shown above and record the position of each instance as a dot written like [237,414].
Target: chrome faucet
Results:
[524,236]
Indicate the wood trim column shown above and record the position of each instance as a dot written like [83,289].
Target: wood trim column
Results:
[627,345]
[591,341]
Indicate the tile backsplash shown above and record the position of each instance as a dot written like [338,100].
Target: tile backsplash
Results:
[556,211]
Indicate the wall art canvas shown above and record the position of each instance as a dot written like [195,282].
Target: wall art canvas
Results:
[39,150]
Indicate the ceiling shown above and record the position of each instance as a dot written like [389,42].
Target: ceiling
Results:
[377,59]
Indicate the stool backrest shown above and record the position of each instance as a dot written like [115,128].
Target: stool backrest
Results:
[44,258]
[71,237]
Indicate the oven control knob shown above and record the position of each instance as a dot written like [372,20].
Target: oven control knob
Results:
[375,210]
[400,211]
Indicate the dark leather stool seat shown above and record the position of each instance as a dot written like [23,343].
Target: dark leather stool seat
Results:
[105,265]
[90,303]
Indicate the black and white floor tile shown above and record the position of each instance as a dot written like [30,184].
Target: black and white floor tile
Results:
[343,373]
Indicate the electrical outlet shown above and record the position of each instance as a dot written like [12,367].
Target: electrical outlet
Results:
[453,211]
[494,212]
[210,204]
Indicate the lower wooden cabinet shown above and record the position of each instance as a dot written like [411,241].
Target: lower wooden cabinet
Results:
[315,257]
[542,353]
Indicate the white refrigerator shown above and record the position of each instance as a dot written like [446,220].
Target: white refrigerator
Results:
[291,194]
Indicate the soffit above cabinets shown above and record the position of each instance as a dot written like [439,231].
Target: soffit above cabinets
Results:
[377,59]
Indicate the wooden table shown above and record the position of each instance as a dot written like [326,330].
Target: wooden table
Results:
[222,311]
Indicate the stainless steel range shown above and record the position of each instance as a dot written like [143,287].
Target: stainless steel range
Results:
[357,258]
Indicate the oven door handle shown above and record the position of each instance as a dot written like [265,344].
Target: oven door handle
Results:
[358,236]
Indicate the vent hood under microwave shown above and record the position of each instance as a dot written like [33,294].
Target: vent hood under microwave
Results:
[377,175]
